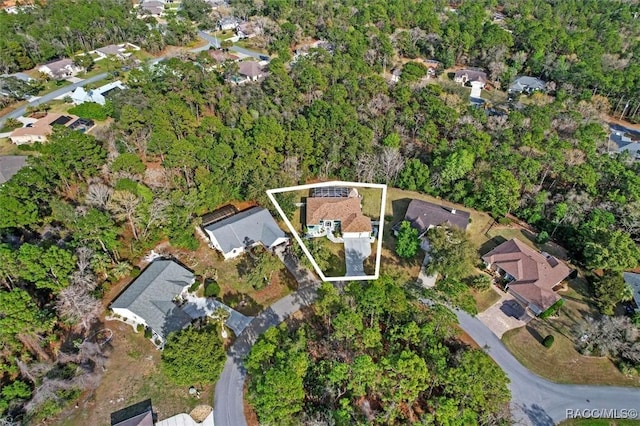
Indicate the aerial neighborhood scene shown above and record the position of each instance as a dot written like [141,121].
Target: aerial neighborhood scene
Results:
[319,213]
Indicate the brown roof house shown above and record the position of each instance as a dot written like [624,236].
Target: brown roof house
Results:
[60,69]
[336,211]
[41,129]
[531,275]
[424,215]
[472,77]
[220,55]
[250,71]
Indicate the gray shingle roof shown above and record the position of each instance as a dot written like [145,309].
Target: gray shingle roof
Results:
[423,215]
[10,165]
[245,229]
[525,82]
[151,294]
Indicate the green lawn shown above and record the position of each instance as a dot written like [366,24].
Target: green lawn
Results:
[485,299]
[371,201]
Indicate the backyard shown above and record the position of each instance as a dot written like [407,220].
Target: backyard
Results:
[132,375]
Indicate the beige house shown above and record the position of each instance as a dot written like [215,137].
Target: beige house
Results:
[331,214]
[60,69]
[41,129]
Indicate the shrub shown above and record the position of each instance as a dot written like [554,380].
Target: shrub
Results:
[504,221]
[548,341]
[140,328]
[212,289]
[147,333]
[552,310]
[90,110]
[542,237]
[194,286]
[481,282]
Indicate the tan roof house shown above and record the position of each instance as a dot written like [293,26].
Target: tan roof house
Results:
[472,77]
[250,70]
[332,214]
[220,55]
[41,129]
[60,69]
[532,276]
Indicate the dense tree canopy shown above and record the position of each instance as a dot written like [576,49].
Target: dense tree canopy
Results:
[362,359]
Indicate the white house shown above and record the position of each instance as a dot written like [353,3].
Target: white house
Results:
[80,95]
[153,299]
[234,234]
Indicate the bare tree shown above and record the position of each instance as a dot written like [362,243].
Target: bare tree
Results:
[98,195]
[156,215]
[616,337]
[391,162]
[124,205]
[366,168]
[77,305]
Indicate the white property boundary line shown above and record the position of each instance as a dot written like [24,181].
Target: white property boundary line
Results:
[383,187]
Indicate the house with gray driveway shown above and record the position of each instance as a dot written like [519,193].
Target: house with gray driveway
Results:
[60,69]
[531,276]
[153,299]
[234,233]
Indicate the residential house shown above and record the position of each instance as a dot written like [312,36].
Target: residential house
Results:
[99,95]
[60,69]
[152,299]
[10,165]
[235,233]
[118,51]
[472,77]
[228,23]
[331,210]
[526,84]
[139,414]
[248,30]
[250,71]
[41,129]
[531,276]
[152,8]
[633,281]
[220,56]
[423,216]
[620,142]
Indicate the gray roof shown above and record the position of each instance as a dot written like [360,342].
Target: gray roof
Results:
[526,83]
[151,294]
[245,229]
[424,215]
[250,69]
[9,166]
[634,281]
[111,49]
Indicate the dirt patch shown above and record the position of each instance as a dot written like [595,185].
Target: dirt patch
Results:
[201,412]
[132,375]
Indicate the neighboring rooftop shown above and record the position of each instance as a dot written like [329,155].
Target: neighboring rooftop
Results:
[246,229]
[10,165]
[111,49]
[469,75]
[344,209]
[219,214]
[525,83]
[44,126]
[535,274]
[250,69]
[150,296]
[424,215]
[139,414]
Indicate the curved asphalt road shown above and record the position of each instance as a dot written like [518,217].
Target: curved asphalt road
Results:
[228,403]
[535,401]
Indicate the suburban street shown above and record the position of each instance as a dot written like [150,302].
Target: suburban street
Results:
[215,42]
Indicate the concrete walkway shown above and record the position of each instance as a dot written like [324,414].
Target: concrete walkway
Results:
[504,315]
[427,281]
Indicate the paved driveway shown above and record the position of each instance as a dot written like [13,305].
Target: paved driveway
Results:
[356,250]
[504,315]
